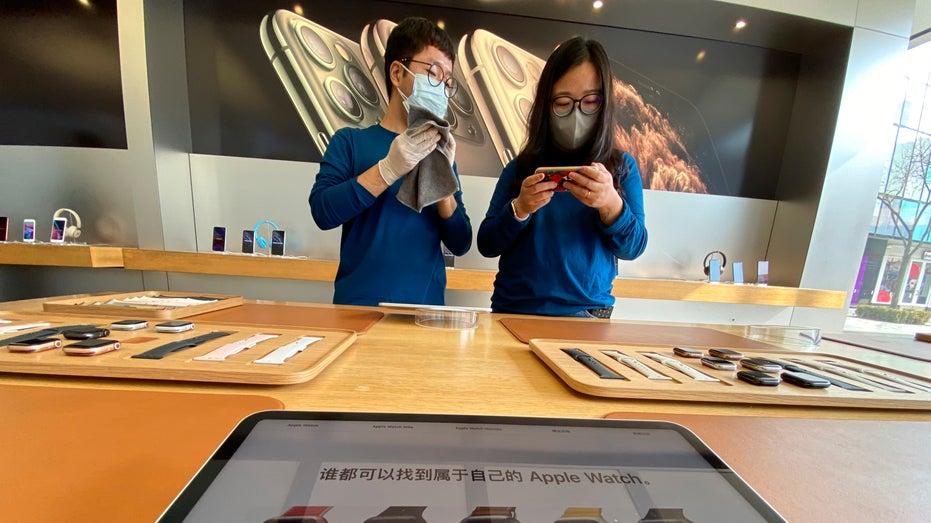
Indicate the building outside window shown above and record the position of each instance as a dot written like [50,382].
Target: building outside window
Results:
[896,266]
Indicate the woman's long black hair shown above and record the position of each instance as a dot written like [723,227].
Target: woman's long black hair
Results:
[540,150]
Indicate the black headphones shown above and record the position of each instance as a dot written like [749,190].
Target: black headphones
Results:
[707,262]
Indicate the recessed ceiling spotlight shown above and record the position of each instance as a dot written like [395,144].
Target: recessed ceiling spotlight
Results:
[598,4]
[700,56]
[298,9]
[85,3]
[441,24]
[741,23]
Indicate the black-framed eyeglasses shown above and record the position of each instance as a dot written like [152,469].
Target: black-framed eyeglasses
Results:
[588,104]
[435,75]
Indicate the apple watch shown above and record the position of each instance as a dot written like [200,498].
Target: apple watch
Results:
[492,515]
[399,515]
[581,515]
[302,514]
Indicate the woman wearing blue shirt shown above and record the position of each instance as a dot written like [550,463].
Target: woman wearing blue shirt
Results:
[559,243]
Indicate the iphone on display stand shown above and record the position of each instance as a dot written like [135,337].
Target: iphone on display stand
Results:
[324,74]
[58,230]
[219,239]
[476,153]
[29,230]
[278,242]
[502,78]
[248,241]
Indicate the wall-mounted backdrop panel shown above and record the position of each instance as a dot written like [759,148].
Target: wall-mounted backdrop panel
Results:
[60,70]
[700,114]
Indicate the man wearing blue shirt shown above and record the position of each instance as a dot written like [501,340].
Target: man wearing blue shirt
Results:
[389,252]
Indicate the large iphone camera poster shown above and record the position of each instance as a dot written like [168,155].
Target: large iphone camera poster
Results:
[276,80]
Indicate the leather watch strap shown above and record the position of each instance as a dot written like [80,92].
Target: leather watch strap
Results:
[163,350]
[495,511]
[582,514]
[399,514]
[489,514]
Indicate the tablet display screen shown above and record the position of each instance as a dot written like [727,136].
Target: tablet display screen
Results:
[280,466]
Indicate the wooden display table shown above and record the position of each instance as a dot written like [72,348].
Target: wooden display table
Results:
[60,255]
[398,366]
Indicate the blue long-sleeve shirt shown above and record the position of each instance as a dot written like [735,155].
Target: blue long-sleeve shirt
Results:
[388,252]
[562,259]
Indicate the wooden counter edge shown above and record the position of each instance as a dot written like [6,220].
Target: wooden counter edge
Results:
[48,254]
[233,264]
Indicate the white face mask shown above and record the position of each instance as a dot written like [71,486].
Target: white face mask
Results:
[430,97]
[572,130]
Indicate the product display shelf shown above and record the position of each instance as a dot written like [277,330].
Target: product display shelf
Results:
[60,255]
[264,266]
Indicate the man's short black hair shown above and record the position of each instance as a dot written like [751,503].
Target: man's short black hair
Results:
[412,35]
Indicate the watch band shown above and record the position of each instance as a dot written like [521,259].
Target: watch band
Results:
[163,350]
[283,353]
[835,382]
[665,515]
[23,326]
[488,514]
[635,364]
[302,514]
[221,353]
[850,375]
[581,515]
[879,374]
[679,366]
[44,333]
[593,364]
[398,514]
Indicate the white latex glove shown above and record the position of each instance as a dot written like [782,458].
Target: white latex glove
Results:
[451,149]
[406,151]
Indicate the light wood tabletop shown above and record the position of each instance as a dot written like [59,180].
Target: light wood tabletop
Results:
[398,366]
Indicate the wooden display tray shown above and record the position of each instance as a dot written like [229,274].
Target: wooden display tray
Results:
[728,390]
[181,366]
[96,305]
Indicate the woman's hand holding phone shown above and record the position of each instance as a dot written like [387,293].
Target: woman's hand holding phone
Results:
[535,192]
[593,185]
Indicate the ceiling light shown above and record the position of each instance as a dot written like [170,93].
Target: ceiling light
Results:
[700,56]
[298,9]
[597,4]
[741,23]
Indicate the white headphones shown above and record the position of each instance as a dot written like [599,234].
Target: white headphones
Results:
[72,231]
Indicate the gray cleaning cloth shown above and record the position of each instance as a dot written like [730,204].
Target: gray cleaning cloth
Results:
[432,179]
